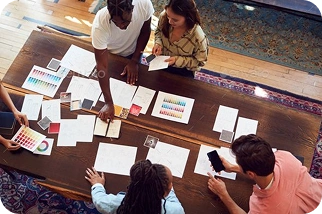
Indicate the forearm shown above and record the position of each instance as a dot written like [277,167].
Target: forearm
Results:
[4,96]
[231,204]
[2,139]
[142,40]
[103,75]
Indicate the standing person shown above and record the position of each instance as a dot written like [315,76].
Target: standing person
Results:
[122,28]
[150,191]
[180,36]
[283,185]
[21,118]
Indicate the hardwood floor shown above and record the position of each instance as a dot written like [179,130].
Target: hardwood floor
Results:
[74,15]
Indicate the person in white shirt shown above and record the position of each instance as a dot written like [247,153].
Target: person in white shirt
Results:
[122,28]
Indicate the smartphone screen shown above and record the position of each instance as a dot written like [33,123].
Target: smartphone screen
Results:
[215,161]
[150,58]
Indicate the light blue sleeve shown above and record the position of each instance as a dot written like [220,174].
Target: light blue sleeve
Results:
[105,203]
[172,204]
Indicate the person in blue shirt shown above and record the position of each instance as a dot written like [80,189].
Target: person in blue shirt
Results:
[150,191]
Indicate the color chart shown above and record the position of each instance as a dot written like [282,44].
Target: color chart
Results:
[28,138]
[173,107]
[43,81]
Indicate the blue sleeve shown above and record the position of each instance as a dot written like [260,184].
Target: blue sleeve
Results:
[172,204]
[105,203]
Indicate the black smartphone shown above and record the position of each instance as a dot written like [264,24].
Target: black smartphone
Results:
[215,161]
[150,58]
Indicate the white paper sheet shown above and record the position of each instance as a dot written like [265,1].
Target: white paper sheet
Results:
[143,98]
[68,132]
[79,60]
[84,88]
[43,81]
[174,157]
[116,159]
[225,119]
[203,164]
[51,109]
[86,127]
[173,107]
[31,106]
[245,126]
[122,93]
[158,63]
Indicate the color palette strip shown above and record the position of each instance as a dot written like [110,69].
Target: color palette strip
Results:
[43,81]
[28,138]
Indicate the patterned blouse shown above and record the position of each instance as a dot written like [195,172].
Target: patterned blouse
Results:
[191,50]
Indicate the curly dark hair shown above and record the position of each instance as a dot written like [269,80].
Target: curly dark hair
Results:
[118,7]
[149,183]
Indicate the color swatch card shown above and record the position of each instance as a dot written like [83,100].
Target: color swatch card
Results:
[28,138]
[43,81]
[173,107]
[45,147]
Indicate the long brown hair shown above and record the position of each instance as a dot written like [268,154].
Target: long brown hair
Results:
[185,8]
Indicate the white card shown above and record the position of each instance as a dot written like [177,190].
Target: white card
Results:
[116,159]
[174,157]
[45,147]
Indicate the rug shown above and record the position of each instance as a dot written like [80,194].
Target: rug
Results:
[20,194]
[264,33]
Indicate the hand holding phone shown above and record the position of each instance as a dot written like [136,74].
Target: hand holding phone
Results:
[215,161]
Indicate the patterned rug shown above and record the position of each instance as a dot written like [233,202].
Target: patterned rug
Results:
[264,33]
[20,194]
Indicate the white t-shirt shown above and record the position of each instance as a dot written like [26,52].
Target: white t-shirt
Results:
[105,34]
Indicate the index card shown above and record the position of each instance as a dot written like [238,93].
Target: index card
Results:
[245,126]
[174,157]
[143,98]
[79,60]
[173,107]
[203,164]
[68,133]
[225,119]
[158,63]
[45,147]
[118,161]
[85,127]
[31,106]
[122,93]
[51,109]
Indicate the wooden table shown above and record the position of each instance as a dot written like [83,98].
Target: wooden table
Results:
[284,128]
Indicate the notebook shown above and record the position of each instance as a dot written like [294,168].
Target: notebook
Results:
[7,123]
